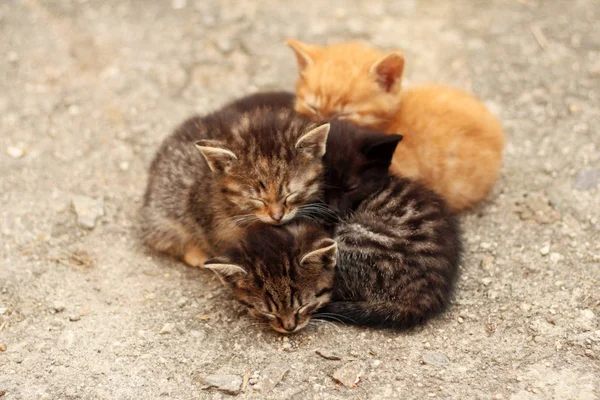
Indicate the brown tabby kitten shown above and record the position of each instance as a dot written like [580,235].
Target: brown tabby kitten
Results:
[217,174]
[281,274]
[398,245]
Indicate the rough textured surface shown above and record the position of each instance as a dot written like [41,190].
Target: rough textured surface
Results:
[90,88]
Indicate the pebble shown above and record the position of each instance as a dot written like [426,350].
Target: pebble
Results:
[58,306]
[2,347]
[328,355]
[270,377]
[178,4]
[167,328]
[230,384]
[487,262]
[587,179]
[555,257]
[487,281]
[74,317]
[15,152]
[182,302]
[349,374]
[435,358]
[88,210]
[3,310]
[545,250]
[12,56]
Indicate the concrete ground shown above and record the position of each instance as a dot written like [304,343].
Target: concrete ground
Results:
[88,90]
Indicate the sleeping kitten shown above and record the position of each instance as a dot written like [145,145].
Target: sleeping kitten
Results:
[452,143]
[282,275]
[218,174]
[398,244]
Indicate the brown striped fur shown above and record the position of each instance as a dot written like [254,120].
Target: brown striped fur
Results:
[217,174]
[282,275]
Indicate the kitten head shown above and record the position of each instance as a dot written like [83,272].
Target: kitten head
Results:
[356,164]
[281,275]
[348,81]
[270,166]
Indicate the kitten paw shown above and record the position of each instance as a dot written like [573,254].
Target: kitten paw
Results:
[195,257]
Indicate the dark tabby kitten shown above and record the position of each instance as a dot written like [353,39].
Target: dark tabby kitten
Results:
[399,245]
[218,174]
[281,274]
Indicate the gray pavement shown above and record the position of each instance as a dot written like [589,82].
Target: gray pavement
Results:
[88,89]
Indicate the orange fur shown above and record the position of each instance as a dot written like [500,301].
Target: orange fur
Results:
[452,142]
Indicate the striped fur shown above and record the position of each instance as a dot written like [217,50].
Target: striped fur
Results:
[398,243]
[398,258]
[250,166]
[280,274]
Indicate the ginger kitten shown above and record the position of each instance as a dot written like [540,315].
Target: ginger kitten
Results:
[218,174]
[452,142]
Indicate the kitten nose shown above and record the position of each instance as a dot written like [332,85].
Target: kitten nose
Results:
[276,214]
[289,326]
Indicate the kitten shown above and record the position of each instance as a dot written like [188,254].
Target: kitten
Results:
[452,142]
[398,244]
[218,174]
[282,275]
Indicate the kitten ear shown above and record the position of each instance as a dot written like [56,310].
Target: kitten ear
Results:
[314,142]
[225,271]
[305,53]
[388,70]
[325,254]
[383,149]
[219,158]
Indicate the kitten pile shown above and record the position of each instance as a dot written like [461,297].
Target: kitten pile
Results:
[304,212]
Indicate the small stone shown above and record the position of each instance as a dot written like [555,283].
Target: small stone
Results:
[270,377]
[349,374]
[590,353]
[178,4]
[486,281]
[460,320]
[287,346]
[88,210]
[3,310]
[123,165]
[587,179]
[58,306]
[555,257]
[12,56]
[182,302]
[74,317]
[525,306]
[327,355]
[435,358]
[15,152]
[167,328]
[485,245]
[230,384]
[539,339]
[2,347]
[574,108]
[545,250]
[487,262]
[253,381]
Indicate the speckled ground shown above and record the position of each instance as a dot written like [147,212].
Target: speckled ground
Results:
[88,89]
